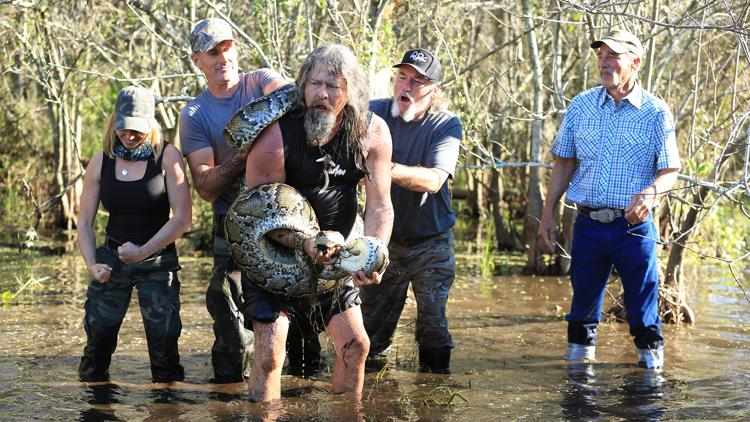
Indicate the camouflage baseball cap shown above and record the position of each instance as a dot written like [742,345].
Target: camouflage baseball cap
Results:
[209,32]
[621,42]
[134,109]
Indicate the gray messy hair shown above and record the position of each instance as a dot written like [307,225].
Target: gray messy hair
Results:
[340,61]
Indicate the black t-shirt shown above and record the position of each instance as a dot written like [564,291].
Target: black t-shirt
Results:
[336,206]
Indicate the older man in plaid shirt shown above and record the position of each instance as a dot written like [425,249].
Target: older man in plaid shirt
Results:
[617,144]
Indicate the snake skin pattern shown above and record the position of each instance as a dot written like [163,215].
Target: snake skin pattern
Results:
[286,271]
[249,121]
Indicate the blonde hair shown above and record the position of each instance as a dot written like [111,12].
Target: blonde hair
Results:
[108,141]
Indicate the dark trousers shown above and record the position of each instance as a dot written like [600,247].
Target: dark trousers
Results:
[430,267]
[597,248]
[106,304]
[233,343]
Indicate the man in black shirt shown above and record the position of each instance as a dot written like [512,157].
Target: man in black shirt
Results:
[323,148]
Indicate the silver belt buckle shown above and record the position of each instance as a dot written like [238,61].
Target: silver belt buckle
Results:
[604,215]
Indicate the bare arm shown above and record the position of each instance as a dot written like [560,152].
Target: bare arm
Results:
[644,201]
[178,191]
[86,215]
[265,160]
[212,180]
[562,173]
[418,179]
[378,206]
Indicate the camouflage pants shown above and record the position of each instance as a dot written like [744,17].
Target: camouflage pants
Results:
[106,305]
[233,343]
[430,267]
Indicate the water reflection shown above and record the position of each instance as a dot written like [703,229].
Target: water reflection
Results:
[579,397]
[509,333]
[639,397]
[102,397]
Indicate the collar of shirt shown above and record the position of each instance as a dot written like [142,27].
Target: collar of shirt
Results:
[634,97]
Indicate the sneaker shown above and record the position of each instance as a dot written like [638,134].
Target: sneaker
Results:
[651,359]
[580,352]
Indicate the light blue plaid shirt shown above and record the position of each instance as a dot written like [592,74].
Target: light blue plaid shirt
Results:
[619,150]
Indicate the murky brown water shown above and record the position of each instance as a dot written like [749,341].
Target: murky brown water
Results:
[509,331]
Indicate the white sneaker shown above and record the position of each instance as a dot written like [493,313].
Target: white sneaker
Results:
[580,352]
[651,359]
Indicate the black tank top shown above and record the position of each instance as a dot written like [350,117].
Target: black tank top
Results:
[137,209]
[335,207]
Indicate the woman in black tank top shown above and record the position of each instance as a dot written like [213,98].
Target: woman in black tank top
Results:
[139,180]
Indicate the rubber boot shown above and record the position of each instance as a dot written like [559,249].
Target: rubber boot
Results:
[651,359]
[580,352]
[437,361]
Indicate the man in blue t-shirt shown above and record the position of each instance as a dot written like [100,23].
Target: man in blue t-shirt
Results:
[426,144]
[217,171]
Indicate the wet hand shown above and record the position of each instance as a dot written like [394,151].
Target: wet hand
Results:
[641,205]
[130,253]
[100,272]
[361,279]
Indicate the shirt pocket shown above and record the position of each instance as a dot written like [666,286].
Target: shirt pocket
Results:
[637,150]
[587,144]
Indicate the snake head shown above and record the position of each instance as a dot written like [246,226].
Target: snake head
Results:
[328,239]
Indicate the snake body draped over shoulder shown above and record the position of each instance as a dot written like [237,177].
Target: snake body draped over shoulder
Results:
[249,121]
[272,266]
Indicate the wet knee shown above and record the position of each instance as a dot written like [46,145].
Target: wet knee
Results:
[355,351]
[270,363]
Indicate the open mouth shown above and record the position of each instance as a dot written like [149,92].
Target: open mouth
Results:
[405,99]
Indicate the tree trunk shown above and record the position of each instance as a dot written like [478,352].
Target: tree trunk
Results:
[673,306]
[534,260]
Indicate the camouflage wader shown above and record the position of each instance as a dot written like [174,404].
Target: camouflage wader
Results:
[106,305]
[430,267]
[233,344]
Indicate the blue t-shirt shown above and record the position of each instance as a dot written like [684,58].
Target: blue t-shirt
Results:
[203,119]
[431,142]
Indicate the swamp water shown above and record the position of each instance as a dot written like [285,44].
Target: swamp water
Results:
[510,336]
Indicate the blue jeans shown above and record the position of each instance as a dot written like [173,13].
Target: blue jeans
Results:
[631,250]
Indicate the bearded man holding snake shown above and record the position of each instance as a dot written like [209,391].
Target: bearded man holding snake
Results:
[323,147]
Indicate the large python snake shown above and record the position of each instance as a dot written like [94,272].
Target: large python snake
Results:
[255,212]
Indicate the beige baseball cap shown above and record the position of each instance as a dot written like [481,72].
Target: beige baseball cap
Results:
[621,41]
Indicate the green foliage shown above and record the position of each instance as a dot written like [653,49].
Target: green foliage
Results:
[6,298]
[725,232]
[699,168]
[488,261]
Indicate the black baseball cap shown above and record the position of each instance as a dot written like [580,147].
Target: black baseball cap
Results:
[423,62]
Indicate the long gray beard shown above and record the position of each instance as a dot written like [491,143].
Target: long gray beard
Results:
[318,126]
